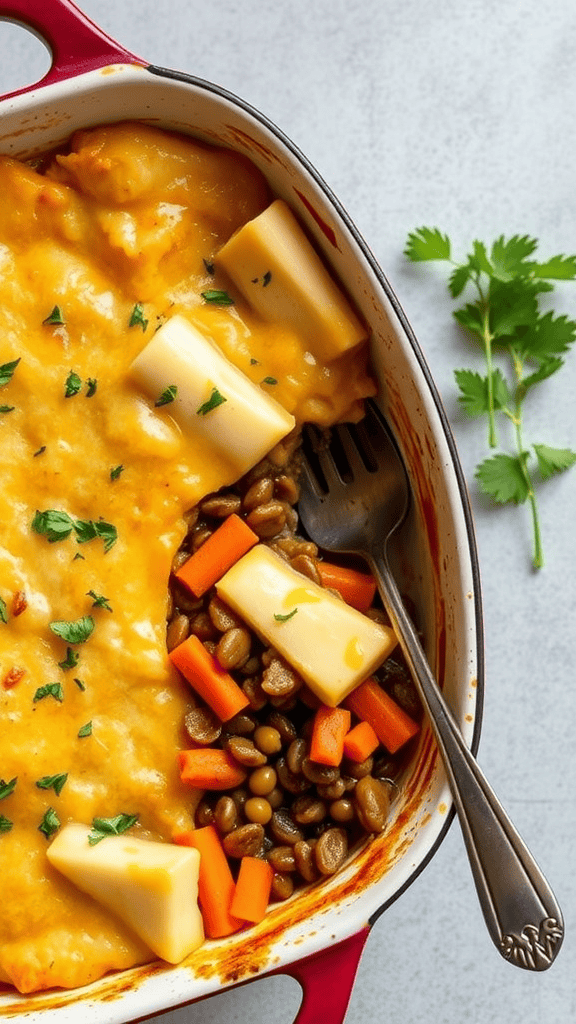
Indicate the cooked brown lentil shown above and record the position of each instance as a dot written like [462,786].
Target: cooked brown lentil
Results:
[302,816]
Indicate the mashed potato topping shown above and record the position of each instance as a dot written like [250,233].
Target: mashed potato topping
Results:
[98,247]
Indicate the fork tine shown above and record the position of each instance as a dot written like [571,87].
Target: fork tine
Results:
[326,463]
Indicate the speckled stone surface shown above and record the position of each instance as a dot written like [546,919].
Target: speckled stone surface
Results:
[461,114]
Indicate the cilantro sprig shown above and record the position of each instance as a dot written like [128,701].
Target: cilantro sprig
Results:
[102,827]
[522,345]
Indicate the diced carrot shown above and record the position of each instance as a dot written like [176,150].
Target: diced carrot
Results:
[209,679]
[356,588]
[390,722]
[360,742]
[252,891]
[226,545]
[216,885]
[328,731]
[210,768]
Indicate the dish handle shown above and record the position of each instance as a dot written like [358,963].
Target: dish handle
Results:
[327,978]
[76,43]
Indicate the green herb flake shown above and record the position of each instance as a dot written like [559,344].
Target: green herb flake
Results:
[115,472]
[99,601]
[52,524]
[73,385]
[167,396]
[50,823]
[7,408]
[40,450]
[88,529]
[85,730]
[91,387]
[137,318]
[102,827]
[49,690]
[209,267]
[55,782]
[54,318]
[266,278]
[270,380]
[7,788]
[80,684]
[278,617]
[74,631]
[70,661]
[7,371]
[3,610]
[5,824]
[213,402]
[217,297]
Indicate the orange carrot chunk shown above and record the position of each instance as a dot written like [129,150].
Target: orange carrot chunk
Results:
[356,588]
[209,679]
[360,742]
[216,886]
[226,545]
[252,891]
[390,722]
[328,731]
[210,768]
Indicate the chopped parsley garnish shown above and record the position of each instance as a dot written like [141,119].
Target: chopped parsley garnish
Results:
[3,610]
[49,690]
[267,278]
[50,823]
[74,631]
[213,402]
[55,782]
[102,827]
[56,525]
[137,318]
[7,371]
[7,408]
[115,472]
[217,297]
[5,823]
[99,601]
[40,450]
[72,385]
[284,618]
[85,730]
[80,684]
[270,380]
[70,661]
[6,788]
[91,385]
[168,395]
[55,317]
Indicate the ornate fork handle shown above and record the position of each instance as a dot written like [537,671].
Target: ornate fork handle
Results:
[521,912]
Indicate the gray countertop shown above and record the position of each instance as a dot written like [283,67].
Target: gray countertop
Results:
[458,113]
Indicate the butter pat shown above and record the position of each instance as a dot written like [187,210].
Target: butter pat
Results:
[280,274]
[215,404]
[152,887]
[332,646]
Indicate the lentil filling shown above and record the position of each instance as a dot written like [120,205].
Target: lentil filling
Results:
[302,816]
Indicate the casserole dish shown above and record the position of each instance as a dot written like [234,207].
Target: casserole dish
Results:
[322,931]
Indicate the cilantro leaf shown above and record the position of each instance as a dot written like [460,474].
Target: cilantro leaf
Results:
[471,317]
[558,267]
[99,601]
[168,395]
[547,335]
[217,297]
[513,304]
[7,371]
[52,524]
[49,690]
[74,631]
[50,823]
[459,279]
[137,318]
[73,385]
[7,788]
[55,782]
[508,256]
[213,402]
[55,317]
[553,460]
[502,478]
[70,661]
[102,827]
[85,730]
[474,395]
[88,529]
[5,824]
[427,244]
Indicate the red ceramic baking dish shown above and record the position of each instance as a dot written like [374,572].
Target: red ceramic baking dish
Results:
[317,936]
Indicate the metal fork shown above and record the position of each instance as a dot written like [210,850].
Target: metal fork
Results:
[355,494]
